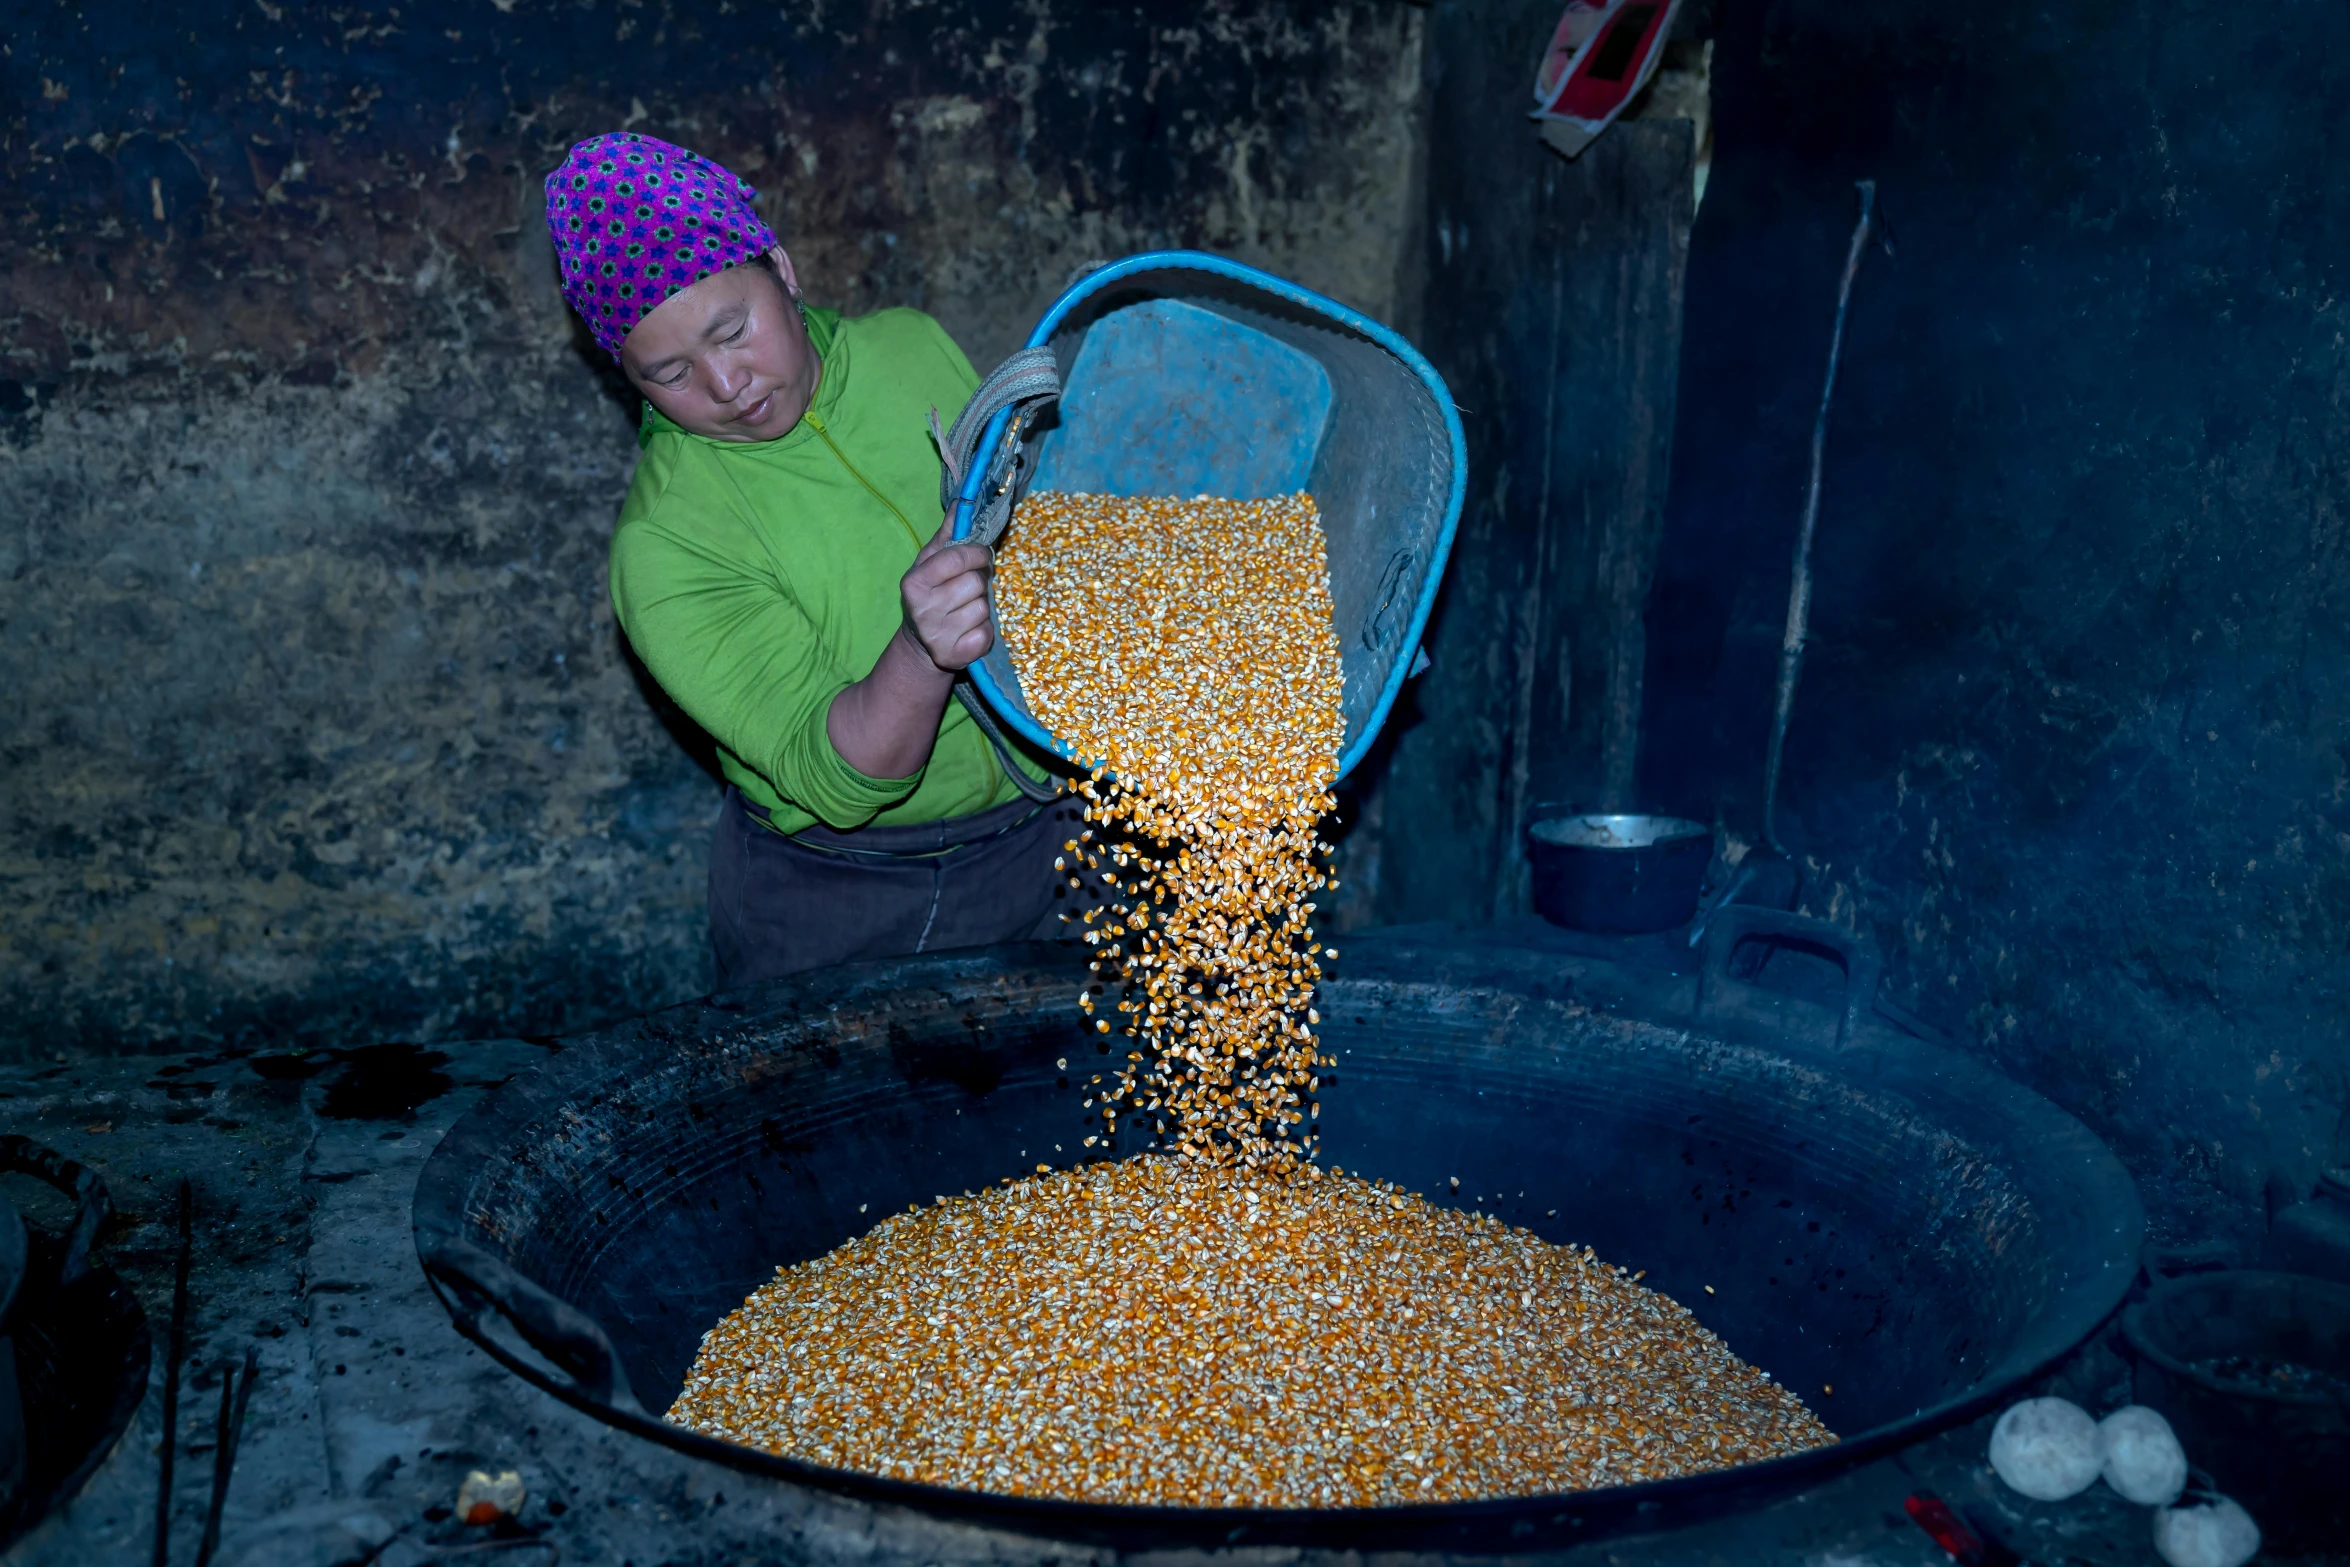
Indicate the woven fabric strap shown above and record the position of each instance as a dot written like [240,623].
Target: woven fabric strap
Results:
[1023,383]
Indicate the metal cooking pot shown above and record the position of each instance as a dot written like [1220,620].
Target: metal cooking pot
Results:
[2279,1449]
[1624,874]
[12,1269]
[73,1345]
[1873,1212]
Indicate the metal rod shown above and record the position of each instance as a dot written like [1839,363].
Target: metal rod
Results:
[1799,589]
[173,1354]
[224,1448]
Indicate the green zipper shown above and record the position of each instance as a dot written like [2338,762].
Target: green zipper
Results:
[825,436]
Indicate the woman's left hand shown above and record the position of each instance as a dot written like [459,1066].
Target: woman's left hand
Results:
[944,594]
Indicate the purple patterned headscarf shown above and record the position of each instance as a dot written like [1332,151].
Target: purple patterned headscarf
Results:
[636,220]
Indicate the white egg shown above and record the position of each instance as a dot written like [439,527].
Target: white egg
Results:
[2143,1460]
[2047,1448]
[2216,1533]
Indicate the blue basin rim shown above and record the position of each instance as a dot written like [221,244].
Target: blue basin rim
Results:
[1354,321]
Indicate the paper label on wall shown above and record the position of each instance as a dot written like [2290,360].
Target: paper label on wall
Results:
[1599,58]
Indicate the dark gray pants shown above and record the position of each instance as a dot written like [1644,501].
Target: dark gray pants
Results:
[782,904]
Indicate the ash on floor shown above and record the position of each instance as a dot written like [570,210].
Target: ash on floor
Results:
[370,1409]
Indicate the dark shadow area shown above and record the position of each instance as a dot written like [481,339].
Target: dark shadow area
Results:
[2069,744]
[384,1083]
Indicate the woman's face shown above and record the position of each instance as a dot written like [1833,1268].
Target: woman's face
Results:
[728,358]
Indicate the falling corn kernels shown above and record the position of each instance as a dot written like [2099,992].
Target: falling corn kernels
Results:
[1187,648]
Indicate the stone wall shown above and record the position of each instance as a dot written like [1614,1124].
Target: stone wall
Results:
[314,724]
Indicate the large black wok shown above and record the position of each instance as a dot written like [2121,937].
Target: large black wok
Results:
[1872,1212]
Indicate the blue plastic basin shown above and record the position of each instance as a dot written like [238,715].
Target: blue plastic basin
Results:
[1186,374]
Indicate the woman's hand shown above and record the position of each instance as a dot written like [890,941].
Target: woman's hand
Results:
[944,594]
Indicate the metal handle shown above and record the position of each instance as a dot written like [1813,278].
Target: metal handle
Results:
[1737,921]
[77,1181]
[557,1329]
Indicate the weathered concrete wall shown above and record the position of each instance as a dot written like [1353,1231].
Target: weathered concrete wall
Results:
[2073,742]
[313,719]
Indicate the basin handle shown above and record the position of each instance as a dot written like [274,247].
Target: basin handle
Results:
[553,1326]
[1738,921]
[91,1205]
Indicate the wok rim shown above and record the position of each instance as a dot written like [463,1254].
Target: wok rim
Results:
[1528,1523]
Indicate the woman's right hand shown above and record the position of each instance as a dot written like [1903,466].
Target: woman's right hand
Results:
[944,596]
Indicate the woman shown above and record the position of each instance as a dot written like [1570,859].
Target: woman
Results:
[781,567]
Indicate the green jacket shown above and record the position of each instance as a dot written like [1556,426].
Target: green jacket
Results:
[758,580]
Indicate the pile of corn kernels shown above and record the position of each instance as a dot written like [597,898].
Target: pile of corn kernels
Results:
[1230,1326]
[1186,646]
[1165,1331]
